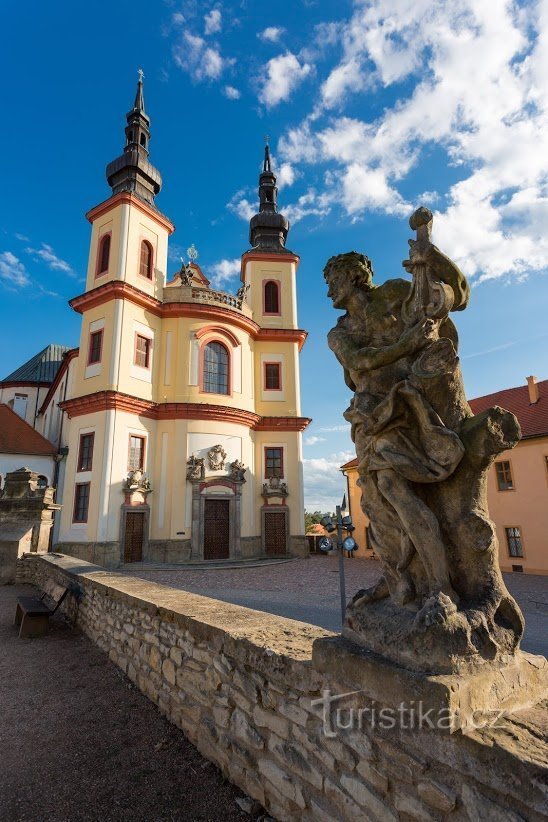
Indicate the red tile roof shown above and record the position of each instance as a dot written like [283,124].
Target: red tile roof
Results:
[18,437]
[533,418]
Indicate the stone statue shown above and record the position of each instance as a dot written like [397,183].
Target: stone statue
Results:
[216,457]
[195,468]
[241,294]
[274,487]
[186,274]
[423,458]
[237,471]
[137,481]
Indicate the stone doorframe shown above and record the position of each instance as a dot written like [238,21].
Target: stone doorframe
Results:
[141,508]
[204,489]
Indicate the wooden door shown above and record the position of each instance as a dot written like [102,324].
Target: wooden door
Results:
[275,532]
[216,529]
[134,535]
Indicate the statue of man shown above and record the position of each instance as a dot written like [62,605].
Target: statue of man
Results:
[400,441]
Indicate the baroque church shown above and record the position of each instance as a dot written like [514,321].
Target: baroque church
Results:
[181,407]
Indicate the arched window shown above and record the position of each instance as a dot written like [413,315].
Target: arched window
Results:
[143,140]
[145,267]
[104,254]
[271,297]
[215,374]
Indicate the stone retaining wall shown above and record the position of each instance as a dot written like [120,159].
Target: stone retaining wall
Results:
[241,685]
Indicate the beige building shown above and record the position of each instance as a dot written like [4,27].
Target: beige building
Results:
[518,481]
[181,406]
[517,487]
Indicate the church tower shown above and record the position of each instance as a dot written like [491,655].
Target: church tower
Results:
[184,409]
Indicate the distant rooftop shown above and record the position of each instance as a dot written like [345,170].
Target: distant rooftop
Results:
[42,368]
[18,437]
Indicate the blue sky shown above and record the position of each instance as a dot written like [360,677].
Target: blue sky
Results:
[372,108]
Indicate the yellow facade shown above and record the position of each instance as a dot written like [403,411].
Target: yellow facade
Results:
[143,397]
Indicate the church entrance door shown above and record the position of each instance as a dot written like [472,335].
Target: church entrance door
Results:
[134,536]
[275,532]
[216,529]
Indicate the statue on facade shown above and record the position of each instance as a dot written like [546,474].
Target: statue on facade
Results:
[186,274]
[216,458]
[137,480]
[423,457]
[241,294]
[274,487]
[195,468]
[237,471]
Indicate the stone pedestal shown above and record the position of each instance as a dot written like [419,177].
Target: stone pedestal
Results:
[465,702]
[26,518]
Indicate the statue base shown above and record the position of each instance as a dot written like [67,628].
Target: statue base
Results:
[434,639]
[465,702]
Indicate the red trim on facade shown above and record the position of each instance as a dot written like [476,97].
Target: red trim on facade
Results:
[247,256]
[143,439]
[279,448]
[79,464]
[219,481]
[67,358]
[127,197]
[203,347]
[279,386]
[76,487]
[117,290]
[296,335]
[148,277]
[107,400]
[92,335]
[215,330]
[147,352]
[100,242]
[278,285]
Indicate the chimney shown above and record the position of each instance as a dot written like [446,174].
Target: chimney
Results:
[533,390]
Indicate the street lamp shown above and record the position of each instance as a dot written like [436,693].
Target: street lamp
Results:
[342,522]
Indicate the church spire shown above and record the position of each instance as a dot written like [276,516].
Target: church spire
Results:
[268,229]
[132,171]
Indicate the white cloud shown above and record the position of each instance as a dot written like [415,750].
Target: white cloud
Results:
[224,272]
[202,61]
[324,485]
[285,175]
[313,440]
[335,428]
[466,77]
[212,22]
[284,75]
[178,19]
[12,270]
[232,93]
[242,207]
[309,204]
[48,256]
[271,34]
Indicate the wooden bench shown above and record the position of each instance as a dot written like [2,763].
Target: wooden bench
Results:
[33,613]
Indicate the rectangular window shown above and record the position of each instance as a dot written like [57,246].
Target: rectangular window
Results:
[513,538]
[274,462]
[142,351]
[272,376]
[81,502]
[95,346]
[136,457]
[20,405]
[504,476]
[85,452]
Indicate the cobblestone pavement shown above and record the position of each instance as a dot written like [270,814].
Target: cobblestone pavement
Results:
[308,590]
[80,742]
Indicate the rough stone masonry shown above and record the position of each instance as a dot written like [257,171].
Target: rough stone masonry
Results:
[246,688]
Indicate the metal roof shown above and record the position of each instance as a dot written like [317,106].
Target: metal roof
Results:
[42,367]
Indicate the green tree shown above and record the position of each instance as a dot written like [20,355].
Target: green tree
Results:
[311,519]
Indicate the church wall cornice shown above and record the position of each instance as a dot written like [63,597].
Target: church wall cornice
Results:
[117,290]
[107,400]
[130,199]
